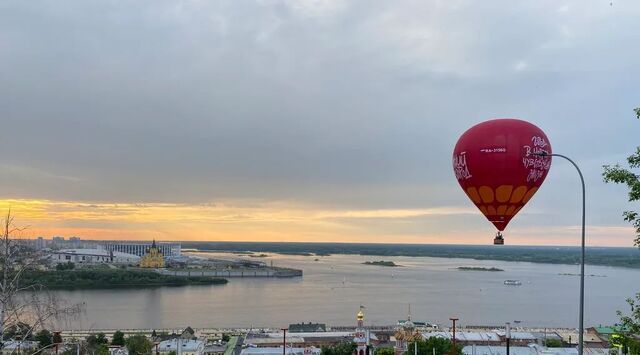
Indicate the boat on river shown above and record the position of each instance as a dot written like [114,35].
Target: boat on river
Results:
[512,282]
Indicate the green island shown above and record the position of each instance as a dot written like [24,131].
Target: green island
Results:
[475,268]
[110,279]
[382,263]
[258,255]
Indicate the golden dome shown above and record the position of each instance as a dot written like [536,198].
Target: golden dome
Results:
[360,315]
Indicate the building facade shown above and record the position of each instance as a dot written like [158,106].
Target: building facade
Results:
[140,248]
[92,256]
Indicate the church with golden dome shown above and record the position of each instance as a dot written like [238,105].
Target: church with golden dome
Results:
[361,336]
[153,258]
[405,334]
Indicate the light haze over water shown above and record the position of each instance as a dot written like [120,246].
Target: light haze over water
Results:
[333,287]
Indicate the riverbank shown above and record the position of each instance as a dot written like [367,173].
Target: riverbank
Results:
[95,278]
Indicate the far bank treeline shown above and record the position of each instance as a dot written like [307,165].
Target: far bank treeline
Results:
[110,278]
[621,257]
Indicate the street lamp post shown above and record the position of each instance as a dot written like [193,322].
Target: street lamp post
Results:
[284,341]
[581,334]
[507,335]
[453,351]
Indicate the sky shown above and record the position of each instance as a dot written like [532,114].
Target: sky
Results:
[318,120]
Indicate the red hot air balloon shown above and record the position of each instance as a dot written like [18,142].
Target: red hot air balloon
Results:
[496,166]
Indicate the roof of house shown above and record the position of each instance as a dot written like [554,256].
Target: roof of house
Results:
[529,350]
[278,351]
[185,345]
[465,336]
[307,327]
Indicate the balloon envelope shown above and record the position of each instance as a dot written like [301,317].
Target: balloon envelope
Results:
[495,166]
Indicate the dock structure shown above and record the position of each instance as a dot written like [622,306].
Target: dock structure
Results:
[228,273]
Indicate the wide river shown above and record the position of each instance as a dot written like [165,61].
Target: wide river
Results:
[333,287]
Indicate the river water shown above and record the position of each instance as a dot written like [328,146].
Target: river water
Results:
[333,287]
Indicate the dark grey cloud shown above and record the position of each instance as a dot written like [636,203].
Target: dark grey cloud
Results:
[341,103]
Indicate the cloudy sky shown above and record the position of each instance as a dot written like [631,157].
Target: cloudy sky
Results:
[306,120]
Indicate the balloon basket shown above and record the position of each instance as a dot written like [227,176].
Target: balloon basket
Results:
[498,240]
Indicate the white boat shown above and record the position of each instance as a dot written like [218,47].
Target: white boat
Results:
[512,282]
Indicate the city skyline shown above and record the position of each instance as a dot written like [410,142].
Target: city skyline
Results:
[321,121]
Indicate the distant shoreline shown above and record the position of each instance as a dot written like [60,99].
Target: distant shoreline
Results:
[611,256]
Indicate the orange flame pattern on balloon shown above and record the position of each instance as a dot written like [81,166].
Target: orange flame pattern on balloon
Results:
[504,200]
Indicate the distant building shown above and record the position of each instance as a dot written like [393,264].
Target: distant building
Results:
[57,241]
[307,327]
[40,243]
[118,350]
[18,346]
[152,258]
[92,256]
[140,248]
[181,347]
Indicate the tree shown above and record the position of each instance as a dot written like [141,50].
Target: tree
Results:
[39,307]
[629,328]
[65,266]
[385,351]
[44,338]
[626,335]
[118,338]
[101,349]
[95,342]
[225,337]
[139,345]
[345,348]
[553,343]
[441,345]
[620,175]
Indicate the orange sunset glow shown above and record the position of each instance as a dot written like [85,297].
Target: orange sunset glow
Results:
[270,221]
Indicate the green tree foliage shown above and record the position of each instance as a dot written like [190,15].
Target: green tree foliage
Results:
[44,338]
[553,343]
[621,175]
[118,338]
[628,331]
[345,348]
[139,345]
[95,342]
[385,351]
[101,349]
[65,266]
[225,337]
[109,278]
[442,346]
